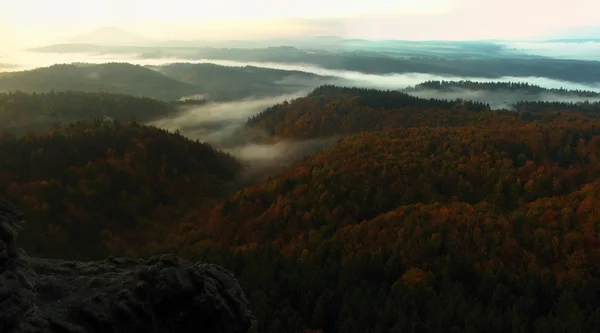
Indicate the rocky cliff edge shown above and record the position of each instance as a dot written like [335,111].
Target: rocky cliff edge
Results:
[162,294]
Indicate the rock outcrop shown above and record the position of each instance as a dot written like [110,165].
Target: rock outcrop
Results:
[162,294]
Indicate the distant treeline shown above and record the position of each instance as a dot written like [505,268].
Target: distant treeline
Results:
[511,86]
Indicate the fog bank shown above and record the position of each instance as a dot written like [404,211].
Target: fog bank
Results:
[500,99]
[223,126]
[30,60]
[219,123]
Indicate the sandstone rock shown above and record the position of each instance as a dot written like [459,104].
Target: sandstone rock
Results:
[162,294]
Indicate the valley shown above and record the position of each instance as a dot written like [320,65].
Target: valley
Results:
[350,185]
[433,205]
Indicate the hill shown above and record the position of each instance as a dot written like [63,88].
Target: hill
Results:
[377,62]
[333,110]
[484,225]
[93,186]
[519,87]
[500,95]
[462,59]
[167,82]
[222,83]
[119,78]
[20,112]
[428,215]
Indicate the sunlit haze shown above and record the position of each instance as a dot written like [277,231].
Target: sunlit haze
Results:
[36,22]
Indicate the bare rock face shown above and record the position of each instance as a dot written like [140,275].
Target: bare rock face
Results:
[162,294]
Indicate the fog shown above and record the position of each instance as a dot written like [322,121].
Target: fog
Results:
[403,80]
[266,159]
[30,60]
[219,123]
[223,126]
[500,99]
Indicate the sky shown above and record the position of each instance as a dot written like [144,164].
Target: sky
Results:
[39,22]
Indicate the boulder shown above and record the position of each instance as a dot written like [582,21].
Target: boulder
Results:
[162,294]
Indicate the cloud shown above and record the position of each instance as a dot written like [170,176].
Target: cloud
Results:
[219,123]
[266,159]
[223,126]
[195,97]
[398,81]
[28,60]
[500,99]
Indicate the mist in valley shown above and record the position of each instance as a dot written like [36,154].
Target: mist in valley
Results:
[30,60]
[223,126]
[500,99]
[220,124]
[404,80]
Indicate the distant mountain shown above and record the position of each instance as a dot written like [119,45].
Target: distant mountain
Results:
[110,36]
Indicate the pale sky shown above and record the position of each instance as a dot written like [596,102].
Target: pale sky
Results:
[37,22]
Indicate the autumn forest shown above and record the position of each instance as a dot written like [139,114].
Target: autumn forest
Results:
[421,215]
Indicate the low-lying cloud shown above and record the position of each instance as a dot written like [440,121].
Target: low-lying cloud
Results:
[266,159]
[223,126]
[29,60]
[403,80]
[500,99]
[219,123]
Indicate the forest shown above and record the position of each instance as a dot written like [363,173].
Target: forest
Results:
[425,215]
[87,187]
[111,77]
[235,83]
[330,110]
[463,59]
[507,86]
[166,83]
[21,112]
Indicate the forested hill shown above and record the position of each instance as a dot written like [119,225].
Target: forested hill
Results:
[520,87]
[20,112]
[222,83]
[427,216]
[110,77]
[89,188]
[331,110]
[167,82]
[484,227]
